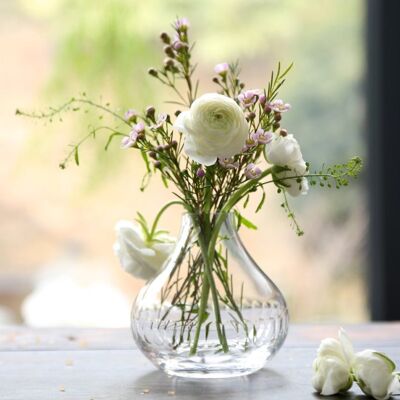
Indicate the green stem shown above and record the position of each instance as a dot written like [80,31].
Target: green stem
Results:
[208,263]
[160,213]
[234,199]
[208,250]
[205,291]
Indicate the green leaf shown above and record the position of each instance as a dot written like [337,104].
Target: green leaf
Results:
[244,221]
[208,329]
[76,156]
[110,138]
[146,160]
[261,203]
[204,317]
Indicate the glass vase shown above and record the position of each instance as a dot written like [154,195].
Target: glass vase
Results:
[211,312]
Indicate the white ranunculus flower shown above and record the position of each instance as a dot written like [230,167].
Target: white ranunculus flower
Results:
[374,373]
[332,367]
[138,257]
[285,151]
[214,126]
[331,375]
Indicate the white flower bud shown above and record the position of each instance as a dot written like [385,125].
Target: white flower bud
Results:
[285,151]
[137,256]
[331,375]
[332,369]
[374,373]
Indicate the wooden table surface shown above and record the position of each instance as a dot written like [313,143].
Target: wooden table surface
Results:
[104,364]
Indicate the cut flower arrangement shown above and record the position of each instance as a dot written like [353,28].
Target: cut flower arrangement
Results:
[208,310]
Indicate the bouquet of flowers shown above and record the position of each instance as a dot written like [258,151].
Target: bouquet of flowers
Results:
[216,151]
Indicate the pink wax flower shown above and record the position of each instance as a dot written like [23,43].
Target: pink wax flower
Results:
[279,106]
[160,121]
[221,69]
[129,141]
[139,127]
[182,24]
[252,171]
[249,97]
[262,137]
[130,115]
[228,163]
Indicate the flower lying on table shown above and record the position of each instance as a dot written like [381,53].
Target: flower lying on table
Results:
[337,367]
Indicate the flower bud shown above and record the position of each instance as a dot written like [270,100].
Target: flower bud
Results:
[222,69]
[251,115]
[169,63]
[215,79]
[262,99]
[174,144]
[283,132]
[168,50]
[374,373]
[153,154]
[150,113]
[200,173]
[267,109]
[277,116]
[179,45]
[165,38]
[177,112]
[157,164]
[242,85]
[181,24]
[160,147]
[276,126]
[152,72]
[131,116]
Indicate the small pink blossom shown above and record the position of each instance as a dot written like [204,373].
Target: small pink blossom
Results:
[262,137]
[228,163]
[279,106]
[178,44]
[160,121]
[182,24]
[139,127]
[130,115]
[250,143]
[252,171]
[249,97]
[129,141]
[221,69]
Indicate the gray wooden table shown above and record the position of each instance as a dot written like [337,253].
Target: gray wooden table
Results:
[103,364]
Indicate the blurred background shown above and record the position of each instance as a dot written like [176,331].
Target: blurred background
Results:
[57,267]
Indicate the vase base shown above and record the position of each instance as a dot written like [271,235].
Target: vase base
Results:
[209,365]
[208,373]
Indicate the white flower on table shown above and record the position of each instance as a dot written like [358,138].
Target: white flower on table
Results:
[374,373]
[214,127]
[332,367]
[138,256]
[284,151]
[337,366]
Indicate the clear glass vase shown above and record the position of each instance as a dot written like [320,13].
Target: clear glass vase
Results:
[211,312]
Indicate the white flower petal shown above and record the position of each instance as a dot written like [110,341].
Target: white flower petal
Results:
[214,126]
[137,257]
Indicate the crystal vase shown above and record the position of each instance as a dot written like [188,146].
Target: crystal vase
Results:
[211,312]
